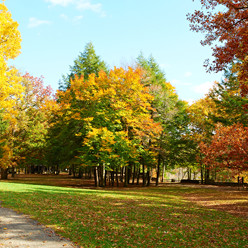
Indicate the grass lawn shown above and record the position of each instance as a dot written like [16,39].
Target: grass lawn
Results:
[167,216]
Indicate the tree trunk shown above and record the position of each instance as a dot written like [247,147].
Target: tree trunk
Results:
[202,177]
[73,171]
[102,176]
[144,175]
[122,172]
[80,172]
[158,169]
[13,172]
[4,173]
[126,176]
[207,176]
[105,178]
[96,176]
[163,174]
[189,173]
[138,176]
[134,173]
[112,178]
[129,170]
[117,180]
[148,177]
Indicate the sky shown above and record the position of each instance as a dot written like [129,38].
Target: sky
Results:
[54,32]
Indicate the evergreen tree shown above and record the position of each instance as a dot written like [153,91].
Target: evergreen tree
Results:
[231,106]
[154,74]
[170,111]
[86,63]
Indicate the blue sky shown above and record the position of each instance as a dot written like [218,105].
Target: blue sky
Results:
[54,32]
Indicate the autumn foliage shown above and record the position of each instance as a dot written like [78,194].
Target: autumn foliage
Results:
[225,23]
[10,45]
[128,121]
[111,116]
[227,149]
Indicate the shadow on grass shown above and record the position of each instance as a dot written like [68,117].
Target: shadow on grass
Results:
[229,200]
[134,217]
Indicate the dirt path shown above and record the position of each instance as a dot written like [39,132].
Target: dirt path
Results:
[17,230]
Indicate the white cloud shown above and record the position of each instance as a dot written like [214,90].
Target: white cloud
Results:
[34,22]
[203,88]
[79,4]
[188,74]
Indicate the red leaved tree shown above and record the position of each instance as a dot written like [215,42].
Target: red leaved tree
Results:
[225,23]
[228,148]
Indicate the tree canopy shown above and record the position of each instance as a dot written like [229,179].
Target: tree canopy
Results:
[226,27]
[85,64]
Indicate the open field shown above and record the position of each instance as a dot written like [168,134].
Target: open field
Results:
[165,216]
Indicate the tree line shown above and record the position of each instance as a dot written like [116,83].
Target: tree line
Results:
[127,124]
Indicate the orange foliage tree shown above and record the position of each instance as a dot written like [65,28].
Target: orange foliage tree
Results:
[227,149]
[110,116]
[225,23]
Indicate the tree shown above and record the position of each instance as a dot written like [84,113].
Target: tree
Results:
[10,37]
[10,86]
[225,22]
[86,63]
[201,129]
[228,148]
[24,137]
[10,44]
[230,105]
[172,146]
[110,115]
[32,114]
[153,74]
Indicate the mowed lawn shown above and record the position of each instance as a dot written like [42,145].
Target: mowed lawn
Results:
[165,216]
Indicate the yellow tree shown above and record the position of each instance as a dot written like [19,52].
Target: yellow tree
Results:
[111,114]
[201,126]
[10,44]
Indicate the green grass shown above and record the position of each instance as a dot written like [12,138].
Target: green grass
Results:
[134,217]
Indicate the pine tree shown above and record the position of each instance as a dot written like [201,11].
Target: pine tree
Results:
[86,63]
[231,106]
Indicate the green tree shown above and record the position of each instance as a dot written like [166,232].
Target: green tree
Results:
[86,63]
[230,105]
[109,113]
[172,146]
[153,74]
[27,134]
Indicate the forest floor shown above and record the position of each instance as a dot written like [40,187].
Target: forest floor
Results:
[171,215]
